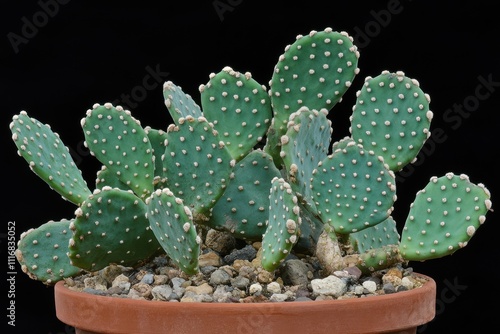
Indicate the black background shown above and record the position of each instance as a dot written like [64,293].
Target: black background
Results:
[83,52]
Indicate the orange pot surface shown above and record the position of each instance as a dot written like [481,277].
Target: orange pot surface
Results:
[399,312]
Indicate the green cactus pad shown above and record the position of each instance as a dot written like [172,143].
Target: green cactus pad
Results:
[353,189]
[444,217]
[283,225]
[305,144]
[197,165]
[172,224]
[42,252]
[178,103]
[106,178]
[315,71]
[111,227]
[379,258]
[157,139]
[48,157]
[382,234]
[392,118]
[118,141]
[242,210]
[239,107]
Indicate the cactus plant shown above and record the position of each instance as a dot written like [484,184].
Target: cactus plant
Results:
[258,163]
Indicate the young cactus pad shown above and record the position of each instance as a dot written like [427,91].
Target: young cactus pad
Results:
[172,224]
[43,252]
[118,141]
[48,157]
[443,217]
[392,118]
[178,103]
[283,225]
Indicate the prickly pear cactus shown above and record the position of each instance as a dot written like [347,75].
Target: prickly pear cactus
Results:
[315,71]
[377,236]
[304,145]
[197,165]
[178,103]
[118,141]
[48,157]
[443,217]
[43,252]
[172,224]
[283,225]
[239,107]
[392,118]
[353,188]
[243,211]
[111,227]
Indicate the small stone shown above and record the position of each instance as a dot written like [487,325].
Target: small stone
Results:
[220,276]
[143,289]
[329,286]
[240,282]
[205,288]
[219,241]
[255,288]
[162,292]
[209,259]
[245,253]
[274,288]
[278,297]
[147,278]
[370,286]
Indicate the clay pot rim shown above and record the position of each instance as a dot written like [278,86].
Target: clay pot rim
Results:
[391,313]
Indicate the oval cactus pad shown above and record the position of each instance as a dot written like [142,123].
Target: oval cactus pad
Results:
[118,141]
[444,217]
[353,189]
[239,107]
[392,118]
[111,227]
[315,72]
[48,157]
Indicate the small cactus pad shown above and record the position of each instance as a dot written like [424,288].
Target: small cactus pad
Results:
[283,225]
[48,157]
[304,145]
[239,107]
[243,210]
[118,141]
[172,224]
[444,217]
[106,178]
[197,164]
[353,189]
[392,118]
[111,227]
[157,139]
[178,103]
[315,71]
[42,252]
[379,258]
[382,234]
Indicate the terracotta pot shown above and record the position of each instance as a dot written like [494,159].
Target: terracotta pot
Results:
[399,312]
